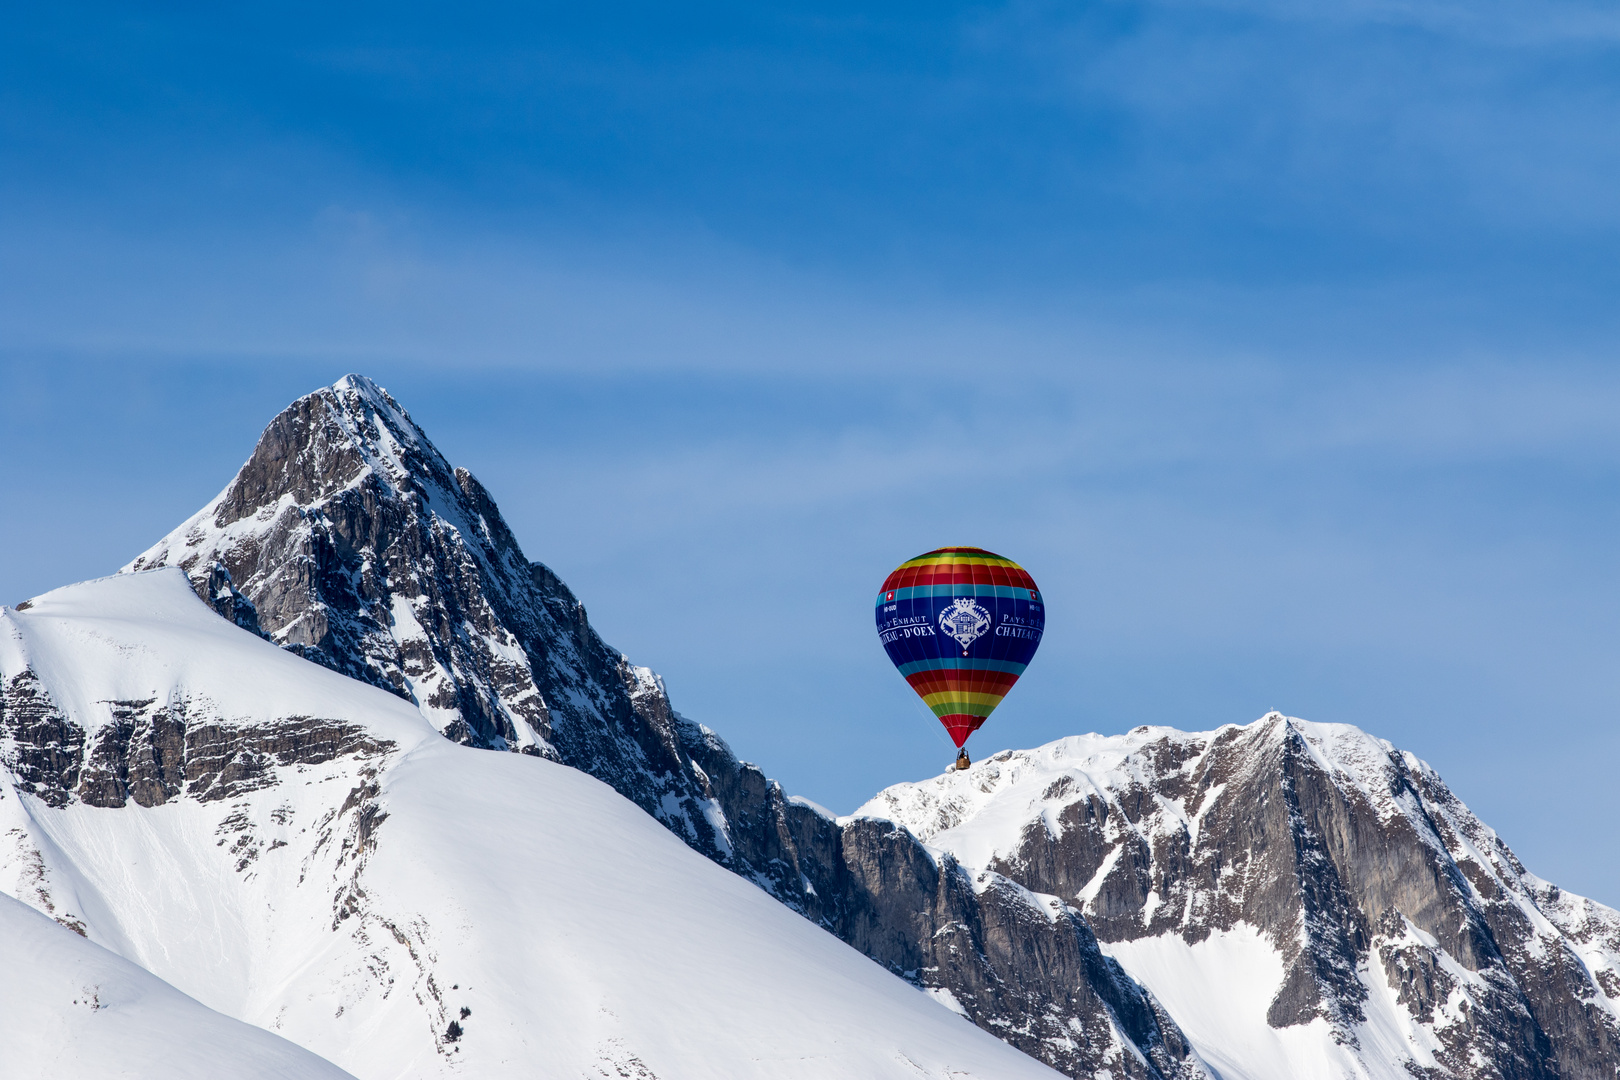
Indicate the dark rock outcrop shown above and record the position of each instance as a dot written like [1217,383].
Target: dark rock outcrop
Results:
[1024,967]
[149,753]
[43,748]
[1343,851]
[348,539]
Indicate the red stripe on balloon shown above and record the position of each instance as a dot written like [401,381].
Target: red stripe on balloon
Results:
[960,726]
[982,682]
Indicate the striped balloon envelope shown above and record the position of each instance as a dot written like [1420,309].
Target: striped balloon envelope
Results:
[960,623]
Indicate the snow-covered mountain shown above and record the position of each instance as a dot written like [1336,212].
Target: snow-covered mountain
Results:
[304,852]
[348,539]
[1304,899]
[69,1008]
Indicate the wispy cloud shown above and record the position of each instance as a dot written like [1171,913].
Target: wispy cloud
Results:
[1277,337]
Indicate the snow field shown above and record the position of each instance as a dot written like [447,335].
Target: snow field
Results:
[1219,989]
[358,906]
[71,1010]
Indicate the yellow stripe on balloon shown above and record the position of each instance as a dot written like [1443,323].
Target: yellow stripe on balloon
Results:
[937,701]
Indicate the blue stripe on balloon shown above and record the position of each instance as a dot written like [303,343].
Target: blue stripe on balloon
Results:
[959,663]
[1004,592]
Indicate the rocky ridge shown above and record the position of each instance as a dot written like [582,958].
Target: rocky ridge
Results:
[149,752]
[398,904]
[1036,894]
[1390,907]
[1405,934]
[349,540]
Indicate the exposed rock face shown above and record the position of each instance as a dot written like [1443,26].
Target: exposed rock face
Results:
[352,542]
[1402,931]
[1022,966]
[348,539]
[436,912]
[148,753]
[42,748]
[1389,904]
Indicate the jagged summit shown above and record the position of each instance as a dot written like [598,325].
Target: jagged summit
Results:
[398,904]
[1116,762]
[320,444]
[1375,906]
[1297,899]
[348,539]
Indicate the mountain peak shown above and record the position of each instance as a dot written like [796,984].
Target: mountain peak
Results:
[329,440]
[1343,869]
[322,863]
[348,538]
[365,401]
[364,386]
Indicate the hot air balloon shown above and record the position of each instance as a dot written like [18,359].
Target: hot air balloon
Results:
[960,623]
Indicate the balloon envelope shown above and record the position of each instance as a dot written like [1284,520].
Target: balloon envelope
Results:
[960,623]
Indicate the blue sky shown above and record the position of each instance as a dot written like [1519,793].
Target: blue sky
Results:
[1276,339]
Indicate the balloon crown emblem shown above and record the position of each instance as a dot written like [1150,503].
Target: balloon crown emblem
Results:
[965,621]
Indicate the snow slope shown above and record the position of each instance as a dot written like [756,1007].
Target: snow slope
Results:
[362,904]
[71,1010]
[1304,899]
[349,539]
